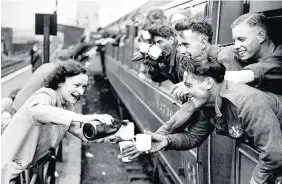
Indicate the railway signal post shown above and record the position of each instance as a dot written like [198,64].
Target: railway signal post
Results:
[46,24]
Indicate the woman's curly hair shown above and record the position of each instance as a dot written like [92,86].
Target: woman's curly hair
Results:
[63,70]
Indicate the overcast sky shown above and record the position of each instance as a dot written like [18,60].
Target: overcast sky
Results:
[21,13]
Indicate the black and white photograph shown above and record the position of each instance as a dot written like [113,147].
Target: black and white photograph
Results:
[141,92]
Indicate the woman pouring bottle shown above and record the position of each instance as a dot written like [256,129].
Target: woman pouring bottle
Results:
[41,123]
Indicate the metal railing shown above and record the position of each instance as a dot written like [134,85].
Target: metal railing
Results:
[42,174]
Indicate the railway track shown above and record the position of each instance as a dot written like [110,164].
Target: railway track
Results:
[100,164]
[11,65]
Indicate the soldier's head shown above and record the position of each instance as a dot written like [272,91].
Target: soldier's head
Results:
[195,36]
[155,17]
[202,80]
[163,36]
[175,18]
[249,33]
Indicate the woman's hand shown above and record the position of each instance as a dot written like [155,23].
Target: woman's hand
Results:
[76,130]
[115,138]
[103,118]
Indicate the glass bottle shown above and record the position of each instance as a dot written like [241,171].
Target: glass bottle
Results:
[96,130]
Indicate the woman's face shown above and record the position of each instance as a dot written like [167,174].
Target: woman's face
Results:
[73,88]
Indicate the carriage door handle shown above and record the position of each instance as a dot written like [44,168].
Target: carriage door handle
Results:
[198,157]
[181,172]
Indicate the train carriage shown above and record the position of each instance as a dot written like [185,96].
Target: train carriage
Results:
[220,159]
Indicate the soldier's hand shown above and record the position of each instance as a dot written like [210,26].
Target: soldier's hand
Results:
[178,92]
[159,142]
[131,151]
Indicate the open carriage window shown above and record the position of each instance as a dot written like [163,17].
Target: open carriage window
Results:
[199,11]
[275,25]
[273,11]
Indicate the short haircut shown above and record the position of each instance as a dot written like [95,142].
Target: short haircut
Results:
[209,68]
[64,70]
[252,20]
[164,31]
[192,24]
[184,24]
[156,14]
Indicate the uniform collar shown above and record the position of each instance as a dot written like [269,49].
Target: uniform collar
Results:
[218,99]
[173,52]
[218,105]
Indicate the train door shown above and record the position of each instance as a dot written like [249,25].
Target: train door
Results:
[221,149]
[247,157]
[240,159]
[195,169]
[214,157]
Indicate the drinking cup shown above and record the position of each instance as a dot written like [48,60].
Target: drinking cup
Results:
[146,35]
[144,47]
[126,132]
[154,52]
[143,142]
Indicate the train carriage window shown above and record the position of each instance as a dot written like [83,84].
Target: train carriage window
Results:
[272,10]
[275,25]
[199,11]
[263,6]
[247,158]
[246,166]
[275,29]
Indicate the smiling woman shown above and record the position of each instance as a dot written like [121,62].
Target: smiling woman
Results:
[40,124]
[69,80]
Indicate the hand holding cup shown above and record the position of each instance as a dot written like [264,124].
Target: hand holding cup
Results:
[142,143]
[123,145]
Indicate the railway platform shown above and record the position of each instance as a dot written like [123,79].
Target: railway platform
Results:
[84,163]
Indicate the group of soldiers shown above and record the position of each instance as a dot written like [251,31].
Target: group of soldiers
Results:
[235,90]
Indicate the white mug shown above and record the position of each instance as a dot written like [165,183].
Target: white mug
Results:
[154,52]
[122,145]
[144,47]
[143,142]
[126,132]
[146,35]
